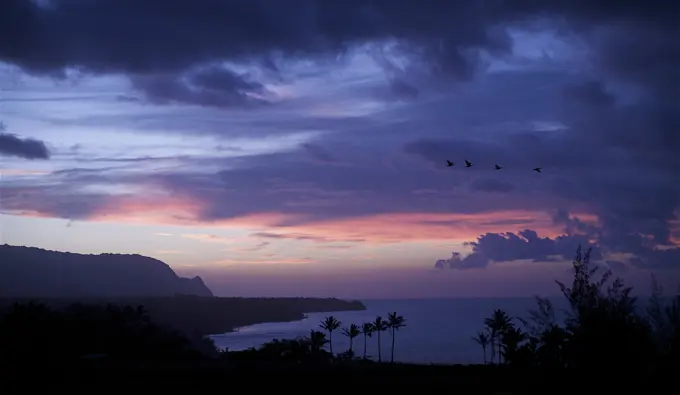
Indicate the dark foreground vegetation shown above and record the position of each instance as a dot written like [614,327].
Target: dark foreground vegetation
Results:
[604,327]
[198,315]
[608,342]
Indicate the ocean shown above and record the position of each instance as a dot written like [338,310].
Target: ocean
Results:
[437,330]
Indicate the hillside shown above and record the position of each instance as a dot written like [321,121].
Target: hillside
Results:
[213,315]
[60,279]
[37,273]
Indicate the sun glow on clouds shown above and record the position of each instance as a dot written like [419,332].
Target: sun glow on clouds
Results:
[163,209]
[157,210]
[271,261]
[394,240]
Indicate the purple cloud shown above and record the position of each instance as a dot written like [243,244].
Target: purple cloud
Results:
[526,244]
[25,148]
[613,155]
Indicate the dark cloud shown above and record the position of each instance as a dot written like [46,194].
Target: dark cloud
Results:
[210,87]
[456,261]
[26,148]
[151,38]
[616,157]
[527,244]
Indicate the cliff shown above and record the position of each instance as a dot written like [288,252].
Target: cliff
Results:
[27,272]
[60,279]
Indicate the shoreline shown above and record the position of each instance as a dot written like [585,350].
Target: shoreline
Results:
[236,329]
[205,316]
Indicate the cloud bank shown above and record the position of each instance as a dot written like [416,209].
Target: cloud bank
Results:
[586,91]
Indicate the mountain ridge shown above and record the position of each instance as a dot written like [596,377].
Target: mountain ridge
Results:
[36,272]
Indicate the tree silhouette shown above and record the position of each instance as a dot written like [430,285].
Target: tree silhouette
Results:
[482,339]
[379,325]
[498,324]
[367,331]
[394,322]
[83,331]
[317,340]
[351,332]
[329,324]
[664,320]
[511,340]
[603,327]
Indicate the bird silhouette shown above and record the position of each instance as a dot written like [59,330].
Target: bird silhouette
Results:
[498,167]
[449,163]
[468,163]
[537,170]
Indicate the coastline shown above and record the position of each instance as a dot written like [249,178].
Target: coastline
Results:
[326,305]
[205,316]
[299,318]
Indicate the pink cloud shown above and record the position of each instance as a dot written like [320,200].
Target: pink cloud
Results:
[370,229]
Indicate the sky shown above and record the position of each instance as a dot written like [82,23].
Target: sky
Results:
[299,147]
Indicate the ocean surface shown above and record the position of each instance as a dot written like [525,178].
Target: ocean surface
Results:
[436,331]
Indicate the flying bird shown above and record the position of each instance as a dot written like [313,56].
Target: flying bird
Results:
[449,163]
[537,170]
[468,163]
[498,167]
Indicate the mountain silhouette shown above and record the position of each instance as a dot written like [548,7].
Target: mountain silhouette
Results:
[37,273]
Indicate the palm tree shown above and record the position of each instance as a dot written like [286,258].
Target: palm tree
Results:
[492,345]
[367,330]
[379,325]
[329,324]
[394,322]
[351,332]
[483,340]
[511,340]
[498,324]
[317,340]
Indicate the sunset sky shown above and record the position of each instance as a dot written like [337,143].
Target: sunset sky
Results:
[298,147]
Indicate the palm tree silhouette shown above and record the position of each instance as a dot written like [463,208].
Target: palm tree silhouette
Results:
[317,340]
[367,330]
[498,324]
[379,325]
[329,324]
[351,332]
[511,340]
[394,322]
[482,339]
